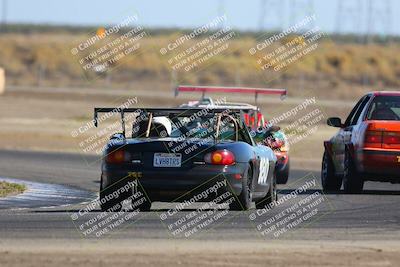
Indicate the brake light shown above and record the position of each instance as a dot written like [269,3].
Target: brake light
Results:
[220,157]
[379,139]
[391,138]
[284,148]
[373,137]
[117,156]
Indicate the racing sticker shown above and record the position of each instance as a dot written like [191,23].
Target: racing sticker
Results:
[264,168]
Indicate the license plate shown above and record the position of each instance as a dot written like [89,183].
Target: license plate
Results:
[167,160]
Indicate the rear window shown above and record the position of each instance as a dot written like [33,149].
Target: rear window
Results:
[385,108]
[190,127]
[203,128]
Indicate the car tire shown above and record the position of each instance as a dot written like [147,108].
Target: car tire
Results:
[145,206]
[271,196]
[352,180]
[283,176]
[110,205]
[329,180]
[243,201]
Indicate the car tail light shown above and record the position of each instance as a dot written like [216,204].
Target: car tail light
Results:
[391,138]
[284,148]
[379,139]
[220,157]
[373,137]
[117,156]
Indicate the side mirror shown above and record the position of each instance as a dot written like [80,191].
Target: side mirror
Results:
[334,122]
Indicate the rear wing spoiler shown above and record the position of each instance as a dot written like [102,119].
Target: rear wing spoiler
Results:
[241,90]
[162,112]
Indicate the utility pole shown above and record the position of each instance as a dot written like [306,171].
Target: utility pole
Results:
[301,9]
[221,12]
[379,19]
[274,11]
[263,4]
[348,16]
[3,16]
[368,35]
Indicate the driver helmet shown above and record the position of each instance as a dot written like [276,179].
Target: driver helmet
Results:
[162,124]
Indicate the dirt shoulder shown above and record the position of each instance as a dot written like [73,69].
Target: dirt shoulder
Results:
[197,253]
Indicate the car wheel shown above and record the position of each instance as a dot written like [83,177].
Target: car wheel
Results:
[243,201]
[352,180]
[112,205]
[271,196]
[145,206]
[283,175]
[329,180]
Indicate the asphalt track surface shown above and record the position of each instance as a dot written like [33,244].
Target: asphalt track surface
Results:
[372,215]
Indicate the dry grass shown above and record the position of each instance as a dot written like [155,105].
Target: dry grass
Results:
[7,189]
[45,59]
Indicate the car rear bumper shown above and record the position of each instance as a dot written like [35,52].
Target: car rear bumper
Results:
[169,184]
[379,164]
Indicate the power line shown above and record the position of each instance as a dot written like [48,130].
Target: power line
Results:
[376,16]
[274,10]
[299,10]
[348,16]
[379,19]
[221,11]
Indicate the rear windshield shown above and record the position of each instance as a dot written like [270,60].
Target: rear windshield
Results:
[203,128]
[385,108]
[190,127]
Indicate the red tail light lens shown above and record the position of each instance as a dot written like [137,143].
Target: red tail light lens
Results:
[220,157]
[379,139]
[116,156]
[391,138]
[373,137]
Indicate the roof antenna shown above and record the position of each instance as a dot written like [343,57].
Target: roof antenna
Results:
[174,82]
[123,122]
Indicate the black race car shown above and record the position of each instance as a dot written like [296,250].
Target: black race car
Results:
[181,154]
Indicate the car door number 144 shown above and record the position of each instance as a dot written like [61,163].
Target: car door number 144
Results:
[264,168]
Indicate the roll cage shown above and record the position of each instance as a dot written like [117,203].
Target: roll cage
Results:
[235,115]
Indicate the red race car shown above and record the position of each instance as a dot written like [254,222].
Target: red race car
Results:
[367,146]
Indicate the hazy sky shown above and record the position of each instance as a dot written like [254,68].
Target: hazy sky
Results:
[243,14]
